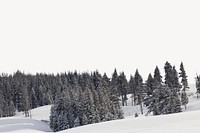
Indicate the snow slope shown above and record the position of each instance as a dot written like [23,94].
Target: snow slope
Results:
[187,121]
[175,123]
[13,124]
[20,124]
[41,113]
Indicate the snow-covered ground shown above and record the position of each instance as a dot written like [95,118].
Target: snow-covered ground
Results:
[176,123]
[20,124]
[187,121]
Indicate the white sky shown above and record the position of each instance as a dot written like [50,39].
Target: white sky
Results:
[57,36]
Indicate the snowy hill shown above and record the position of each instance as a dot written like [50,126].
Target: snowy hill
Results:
[13,124]
[187,121]
[175,123]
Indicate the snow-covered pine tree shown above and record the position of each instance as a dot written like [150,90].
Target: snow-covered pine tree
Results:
[105,89]
[132,88]
[89,107]
[139,89]
[59,118]
[173,104]
[149,85]
[154,101]
[184,81]
[176,84]
[55,112]
[183,77]
[122,88]
[168,75]
[116,110]
[157,77]
[114,79]
[198,85]
[184,99]
[113,84]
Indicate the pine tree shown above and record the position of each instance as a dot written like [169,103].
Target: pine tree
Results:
[59,118]
[184,81]
[168,75]
[157,77]
[198,85]
[173,104]
[183,77]
[2,102]
[122,88]
[116,110]
[139,89]
[154,101]
[113,84]
[175,81]
[55,112]
[132,87]
[184,99]
[114,79]
[149,86]
[89,107]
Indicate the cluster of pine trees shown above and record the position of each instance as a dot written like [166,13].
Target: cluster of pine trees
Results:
[77,99]
[22,92]
[168,96]
[160,97]
[85,99]
[80,99]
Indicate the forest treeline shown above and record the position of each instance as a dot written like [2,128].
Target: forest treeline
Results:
[84,98]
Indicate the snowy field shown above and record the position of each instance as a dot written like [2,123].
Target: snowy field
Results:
[187,121]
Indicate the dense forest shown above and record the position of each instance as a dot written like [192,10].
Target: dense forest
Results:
[84,98]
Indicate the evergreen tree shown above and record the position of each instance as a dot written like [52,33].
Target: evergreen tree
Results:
[59,118]
[184,99]
[55,112]
[89,107]
[114,79]
[155,100]
[173,104]
[116,110]
[198,85]
[132,87]
[184,81]
[168,75]
[183,77]
[157,77]
[149,86]
[139,89]
[122,88]
[175,81]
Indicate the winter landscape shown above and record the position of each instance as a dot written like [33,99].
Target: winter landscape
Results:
[108,66]
[185,122]
[73,102]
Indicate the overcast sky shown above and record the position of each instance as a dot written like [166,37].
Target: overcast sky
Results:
[57,36]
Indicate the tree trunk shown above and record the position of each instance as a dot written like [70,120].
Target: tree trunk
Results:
[132,100]
[122,101]
[141,108]
[140,102]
